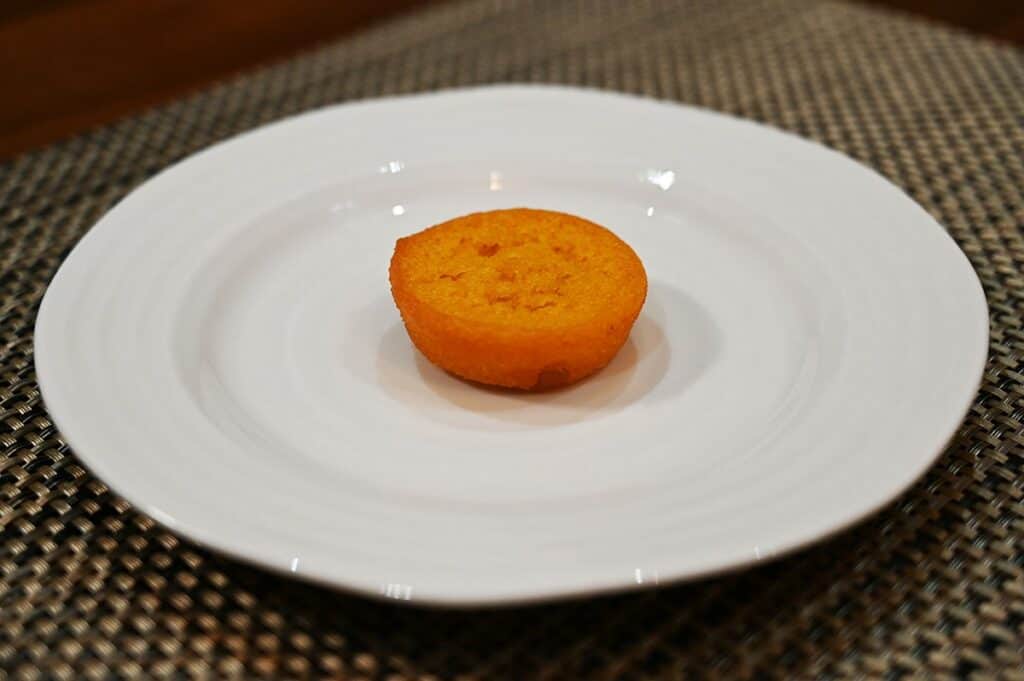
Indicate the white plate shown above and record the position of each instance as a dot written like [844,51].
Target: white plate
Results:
[223,350]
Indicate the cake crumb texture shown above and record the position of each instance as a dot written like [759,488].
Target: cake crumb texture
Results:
[521,298]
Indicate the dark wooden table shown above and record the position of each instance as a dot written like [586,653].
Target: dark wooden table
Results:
[68,65]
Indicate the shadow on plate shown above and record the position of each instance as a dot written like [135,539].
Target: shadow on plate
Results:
[672,344]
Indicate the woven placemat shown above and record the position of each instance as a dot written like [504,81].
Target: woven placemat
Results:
[932,587]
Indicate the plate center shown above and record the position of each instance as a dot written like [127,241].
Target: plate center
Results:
[302,354]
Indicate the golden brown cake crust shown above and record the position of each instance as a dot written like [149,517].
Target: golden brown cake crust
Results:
[520,298]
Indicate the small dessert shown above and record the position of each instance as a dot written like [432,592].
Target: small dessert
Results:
[519,298]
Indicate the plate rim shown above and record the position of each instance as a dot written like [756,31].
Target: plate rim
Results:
[46,333]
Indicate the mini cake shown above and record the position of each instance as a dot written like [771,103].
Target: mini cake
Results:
[520,298]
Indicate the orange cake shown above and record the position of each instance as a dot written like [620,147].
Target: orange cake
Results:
[520,298]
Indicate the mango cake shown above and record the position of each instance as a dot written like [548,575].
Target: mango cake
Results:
[519,298]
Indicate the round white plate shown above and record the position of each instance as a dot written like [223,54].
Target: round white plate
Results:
[223,350]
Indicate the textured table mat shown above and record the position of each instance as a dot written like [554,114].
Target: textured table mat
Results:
[932,587]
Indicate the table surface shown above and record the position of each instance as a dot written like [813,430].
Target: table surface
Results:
[74,64]
[933,586]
